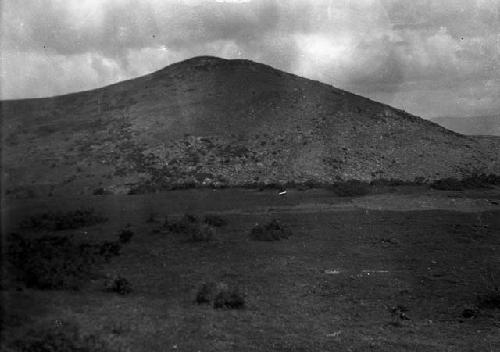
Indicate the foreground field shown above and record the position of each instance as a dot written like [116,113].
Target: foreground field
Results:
[391,272]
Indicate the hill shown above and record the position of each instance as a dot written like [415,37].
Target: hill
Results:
[473,125]
[210,121]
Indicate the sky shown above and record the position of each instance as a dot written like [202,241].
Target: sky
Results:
[428,57]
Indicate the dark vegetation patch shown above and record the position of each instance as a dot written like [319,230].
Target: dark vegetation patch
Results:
[490,299]
[351,188]
[220,296]
[229,299]
[192,228]
[63,337]
[272,231]
[397,182]
[56,221]
[118,285]
[56,262]
[125,236]
[214,220]
[471,182]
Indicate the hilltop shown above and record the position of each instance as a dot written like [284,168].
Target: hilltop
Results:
[211,121]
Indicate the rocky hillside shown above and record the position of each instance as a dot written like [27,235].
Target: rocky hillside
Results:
[209,121]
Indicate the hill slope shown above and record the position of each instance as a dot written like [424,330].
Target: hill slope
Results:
[209,121]
[474,125]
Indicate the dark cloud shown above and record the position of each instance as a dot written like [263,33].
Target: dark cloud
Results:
[414,55]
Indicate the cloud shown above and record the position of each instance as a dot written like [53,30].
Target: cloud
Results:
[427,53]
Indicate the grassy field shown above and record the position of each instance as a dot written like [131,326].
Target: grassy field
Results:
[401,271]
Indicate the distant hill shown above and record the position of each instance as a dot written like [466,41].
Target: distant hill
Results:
[475,125]
[210,121]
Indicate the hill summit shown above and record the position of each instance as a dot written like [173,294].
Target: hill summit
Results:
[211,121]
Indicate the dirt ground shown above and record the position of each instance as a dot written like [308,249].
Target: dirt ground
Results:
[334,285]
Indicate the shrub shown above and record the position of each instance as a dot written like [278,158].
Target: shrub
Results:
[125,236]
[182,225]
[470,182]
[448,184]
[206,293]
[191,226]
[56,262]
[55,221]
[350,188]
[201,233]
[151,218]
[101,192]
[221,295]
[230,299]
[63,338]
[109,249]
[50,262]
[491,298]
[272,231]
[118,285]
[214,220]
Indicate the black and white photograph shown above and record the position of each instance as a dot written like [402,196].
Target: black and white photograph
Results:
[250,175]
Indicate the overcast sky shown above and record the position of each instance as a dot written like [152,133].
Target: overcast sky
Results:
[429,57]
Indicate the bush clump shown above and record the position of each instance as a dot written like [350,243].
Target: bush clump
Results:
[490,300]
[56,221]
[108,249]
[470,182]
[229,299]
[272,231]
[352,188]
[62,338]
[214,220]
[194,229]
[206,293]
[220,295]
[125,236]
[118,285]
[55,262]
[448,184]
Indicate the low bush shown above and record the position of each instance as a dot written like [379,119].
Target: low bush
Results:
[448,184]
[125,236]
[352,188]
[61,338]
[151,218]
[470,182]
[220,295]
[56,221]
[214,220]
[206,293]
[272,231]
[201,233]
[182,225]
[108,249]
[118,285]
[230,299]
[55,262]
[50,262]
[491,300]
[192,227]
